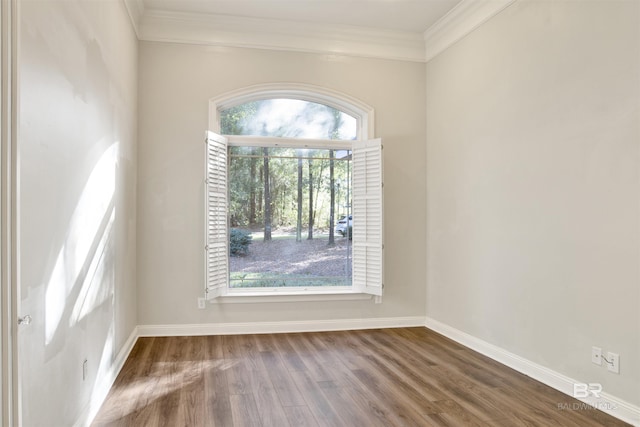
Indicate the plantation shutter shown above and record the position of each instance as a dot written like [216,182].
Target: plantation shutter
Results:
[367,217]
[217,241]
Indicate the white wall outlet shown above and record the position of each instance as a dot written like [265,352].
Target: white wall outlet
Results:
[613,362]
[596,355]
[84,369]
[201,303]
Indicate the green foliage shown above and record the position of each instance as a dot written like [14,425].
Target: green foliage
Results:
[239,241]
[288,118]
[234,120]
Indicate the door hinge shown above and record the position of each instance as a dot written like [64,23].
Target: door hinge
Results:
[26,320]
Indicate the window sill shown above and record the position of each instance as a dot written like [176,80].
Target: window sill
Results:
[289,296]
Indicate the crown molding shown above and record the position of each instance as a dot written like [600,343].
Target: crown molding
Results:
[234,31]
[274,34]
[465,17]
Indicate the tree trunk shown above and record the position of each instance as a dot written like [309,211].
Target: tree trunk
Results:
[311,216]
[319,176]
[252,188]
[333,198]
[299,219]
[267,196]
[259,196]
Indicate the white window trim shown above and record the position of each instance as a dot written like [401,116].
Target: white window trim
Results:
[241,297]
[364,115]
[274,141]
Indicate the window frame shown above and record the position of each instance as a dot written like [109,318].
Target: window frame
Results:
[364,115]
[298,290]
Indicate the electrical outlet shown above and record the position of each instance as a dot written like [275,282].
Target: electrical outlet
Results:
[201,303]
[596,355]
[84,369]
[613,362]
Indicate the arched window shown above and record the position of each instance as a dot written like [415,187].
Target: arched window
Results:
[288,118]
[362,113]
[294,199]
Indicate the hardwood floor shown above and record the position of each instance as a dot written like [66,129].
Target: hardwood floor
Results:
[388,377]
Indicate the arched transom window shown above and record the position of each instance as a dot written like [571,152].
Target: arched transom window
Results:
[288,118]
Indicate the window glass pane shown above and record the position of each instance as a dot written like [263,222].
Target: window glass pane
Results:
[289,118]
[287,193]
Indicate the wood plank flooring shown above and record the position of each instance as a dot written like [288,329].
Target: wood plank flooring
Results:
[387,377]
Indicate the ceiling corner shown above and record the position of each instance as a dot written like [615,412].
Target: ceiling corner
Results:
[465,17]
[135,8]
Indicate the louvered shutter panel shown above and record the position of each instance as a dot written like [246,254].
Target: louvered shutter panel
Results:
[367,216]
[217,239]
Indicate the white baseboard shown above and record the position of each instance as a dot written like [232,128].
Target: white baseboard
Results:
[277,327]
[612,405]
[103,385]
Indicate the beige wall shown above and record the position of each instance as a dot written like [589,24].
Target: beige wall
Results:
[77,148]
[533,221]
[176,83]
[526,190]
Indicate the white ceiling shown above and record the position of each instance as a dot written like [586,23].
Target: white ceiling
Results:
[407,30]
[405,15]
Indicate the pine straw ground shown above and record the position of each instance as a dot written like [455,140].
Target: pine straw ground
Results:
[284,256]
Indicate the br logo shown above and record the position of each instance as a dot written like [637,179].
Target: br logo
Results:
[583,390]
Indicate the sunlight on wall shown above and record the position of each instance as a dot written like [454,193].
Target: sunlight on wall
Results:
[94,291]
[105,370]
[92,213]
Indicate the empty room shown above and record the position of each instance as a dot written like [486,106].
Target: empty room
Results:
[320,213]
